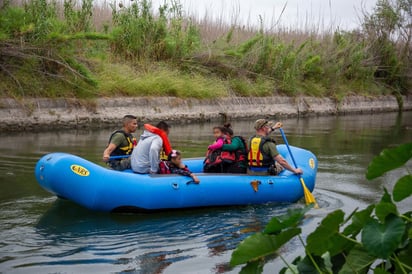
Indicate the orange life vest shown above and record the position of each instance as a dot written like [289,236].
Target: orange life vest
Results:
[167,148]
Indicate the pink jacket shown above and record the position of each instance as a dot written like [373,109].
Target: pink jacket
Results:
[218,144]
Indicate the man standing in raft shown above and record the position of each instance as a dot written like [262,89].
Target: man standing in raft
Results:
[121,143]
[263,157]
[146,157]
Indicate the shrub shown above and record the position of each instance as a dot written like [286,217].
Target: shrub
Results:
[377,238]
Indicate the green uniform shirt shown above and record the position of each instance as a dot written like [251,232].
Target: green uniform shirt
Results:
[119,140]
[269,148]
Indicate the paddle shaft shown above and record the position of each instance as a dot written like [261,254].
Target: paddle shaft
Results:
[287,145]
[309,198]
[118,157]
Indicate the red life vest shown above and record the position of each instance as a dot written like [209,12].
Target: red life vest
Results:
[216,157]
[167,148]
[241,155]
[164,168]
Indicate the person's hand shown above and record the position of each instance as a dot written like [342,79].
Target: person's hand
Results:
[106,158]
[195,179]
[298,171]
[277,125]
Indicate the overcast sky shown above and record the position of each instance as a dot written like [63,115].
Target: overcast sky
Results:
[344,14]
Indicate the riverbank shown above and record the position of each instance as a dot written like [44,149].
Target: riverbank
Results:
[43,114]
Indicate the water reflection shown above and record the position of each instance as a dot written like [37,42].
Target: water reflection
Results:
[145,243]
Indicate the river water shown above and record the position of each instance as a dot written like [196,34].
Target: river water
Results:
[42,234]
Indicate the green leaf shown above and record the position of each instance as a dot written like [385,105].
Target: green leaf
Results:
[382,210]
[306,265]
[389,159]
[255,267]
[359,220]
[259,245]
[291,219]
[385,207]
[326,236]
[379,270]
[403,188]
[381,239]
[386,197]
[357,261]
[405,256]
[292,269]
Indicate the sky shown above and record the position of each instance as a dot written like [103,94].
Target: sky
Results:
[344,14]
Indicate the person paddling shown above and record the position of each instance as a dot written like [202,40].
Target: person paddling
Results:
[121,143]
[263,156]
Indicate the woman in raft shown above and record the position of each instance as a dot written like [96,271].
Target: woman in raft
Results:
[228,154]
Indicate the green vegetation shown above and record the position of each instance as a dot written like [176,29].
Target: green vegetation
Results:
[67,48]
[377,239]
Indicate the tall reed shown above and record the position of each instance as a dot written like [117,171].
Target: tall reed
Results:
[67,40]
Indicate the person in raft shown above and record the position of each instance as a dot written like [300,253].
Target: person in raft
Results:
[213,162]
[121,143]
[220,134]
[153,142]
[174,165]
[238,149]
[263,156]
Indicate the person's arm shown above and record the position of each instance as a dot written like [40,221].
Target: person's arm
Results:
[116,140]
[108,151]
[286,165]
[216,145]
[185,172]
[154,154]
[235,145]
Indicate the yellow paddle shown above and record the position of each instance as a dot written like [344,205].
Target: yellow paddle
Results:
[309,198]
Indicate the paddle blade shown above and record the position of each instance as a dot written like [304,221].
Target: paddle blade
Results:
[309,198]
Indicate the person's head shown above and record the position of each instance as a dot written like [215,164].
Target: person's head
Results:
[163,126]
[228,129]
[175,157]
[218,132]
[130,123]
[263,126]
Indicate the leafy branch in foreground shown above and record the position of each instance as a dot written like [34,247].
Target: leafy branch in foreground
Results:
[377,238]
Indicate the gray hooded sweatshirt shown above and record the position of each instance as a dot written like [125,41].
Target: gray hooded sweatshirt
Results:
[146,156]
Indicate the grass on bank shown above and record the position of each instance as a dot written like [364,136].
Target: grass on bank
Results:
[121,79]
[61,49]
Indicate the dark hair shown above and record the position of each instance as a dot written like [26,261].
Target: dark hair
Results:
[163,126]
[173,154]
[222,129]
[228,129]
[128,118]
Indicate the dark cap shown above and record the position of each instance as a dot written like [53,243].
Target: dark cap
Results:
[260,123]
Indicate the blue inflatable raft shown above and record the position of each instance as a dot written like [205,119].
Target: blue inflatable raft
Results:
[98,188]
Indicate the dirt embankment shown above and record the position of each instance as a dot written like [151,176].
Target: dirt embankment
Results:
[38,114]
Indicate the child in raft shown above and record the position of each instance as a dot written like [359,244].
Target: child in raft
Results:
[174,165]
[220,135]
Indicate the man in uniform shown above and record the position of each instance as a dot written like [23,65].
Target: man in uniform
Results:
[121,144]
[263,156]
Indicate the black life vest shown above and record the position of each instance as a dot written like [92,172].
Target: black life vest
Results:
[125,150]
[256,157]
